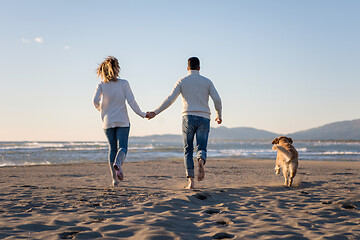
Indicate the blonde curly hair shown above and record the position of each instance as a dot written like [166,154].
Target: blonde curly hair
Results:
[108,70]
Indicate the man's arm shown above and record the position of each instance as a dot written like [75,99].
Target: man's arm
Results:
[217,102]
[170,99]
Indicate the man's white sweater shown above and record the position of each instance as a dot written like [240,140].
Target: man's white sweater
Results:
[195,91]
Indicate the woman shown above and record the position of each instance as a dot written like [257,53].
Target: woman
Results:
[113,92]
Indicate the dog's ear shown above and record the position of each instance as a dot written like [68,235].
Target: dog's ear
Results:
[290,140]
[275,141]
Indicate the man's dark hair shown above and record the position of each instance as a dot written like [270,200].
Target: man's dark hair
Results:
[193,63]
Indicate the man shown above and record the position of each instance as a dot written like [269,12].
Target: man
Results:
[195,91]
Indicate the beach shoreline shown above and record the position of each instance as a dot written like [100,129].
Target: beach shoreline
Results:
[239,199]
[144,149]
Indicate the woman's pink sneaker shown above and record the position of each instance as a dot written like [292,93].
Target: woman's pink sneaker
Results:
[119,172]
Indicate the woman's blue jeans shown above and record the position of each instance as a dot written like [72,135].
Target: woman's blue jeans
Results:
[194,126]
[118,144]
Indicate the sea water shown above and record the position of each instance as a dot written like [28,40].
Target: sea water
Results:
[143,149]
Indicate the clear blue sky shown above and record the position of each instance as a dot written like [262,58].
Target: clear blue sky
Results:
[280,66]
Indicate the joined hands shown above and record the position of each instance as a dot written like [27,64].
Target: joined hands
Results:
[150,115]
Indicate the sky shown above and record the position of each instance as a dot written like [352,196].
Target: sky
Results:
[281,66]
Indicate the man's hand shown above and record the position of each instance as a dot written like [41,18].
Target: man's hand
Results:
[218,120]
[274,147]
[150,115]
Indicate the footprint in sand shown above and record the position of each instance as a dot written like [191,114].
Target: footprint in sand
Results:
[36,227]
[79,232]
[94,220]
[222,235]
[212,211]
[348,205]
[68,235]
[222,222]
[202,195]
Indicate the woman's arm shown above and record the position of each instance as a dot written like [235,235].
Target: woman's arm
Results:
[97,97]
[131,101]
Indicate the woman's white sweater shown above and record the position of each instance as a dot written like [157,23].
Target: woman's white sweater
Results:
[113,108]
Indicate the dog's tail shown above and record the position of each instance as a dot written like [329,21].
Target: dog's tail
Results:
[287,155]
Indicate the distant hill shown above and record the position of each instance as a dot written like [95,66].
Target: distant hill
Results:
[241,133]
[346,130]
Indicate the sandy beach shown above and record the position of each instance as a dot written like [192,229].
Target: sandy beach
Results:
[239,199]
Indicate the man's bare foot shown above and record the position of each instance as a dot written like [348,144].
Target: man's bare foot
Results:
[191,183]
[201,173]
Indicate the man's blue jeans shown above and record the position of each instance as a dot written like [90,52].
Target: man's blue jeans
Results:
[194,126]
[118,144]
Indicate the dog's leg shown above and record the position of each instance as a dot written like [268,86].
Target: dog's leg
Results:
[291,180]
[277,169]
[293,170]
[285,173]
[277,164]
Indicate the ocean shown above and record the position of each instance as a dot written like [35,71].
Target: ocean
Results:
[143,149]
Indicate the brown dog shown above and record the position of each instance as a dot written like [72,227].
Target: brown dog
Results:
[287,158]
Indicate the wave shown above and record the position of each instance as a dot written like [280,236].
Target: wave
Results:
[340,153]
[77,149]
[331,153]
[262,153]
[334,143]
[31,146]
[87,143]
[59,146]
[139,147]
[31,163]
[41,153]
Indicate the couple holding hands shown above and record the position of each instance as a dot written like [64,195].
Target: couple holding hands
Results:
[112,93]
